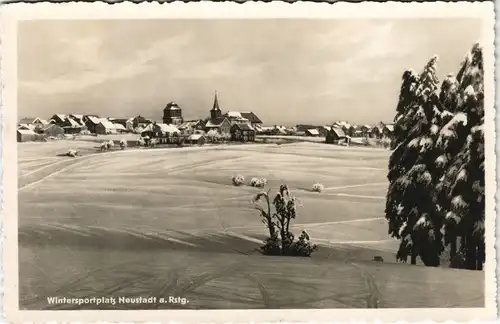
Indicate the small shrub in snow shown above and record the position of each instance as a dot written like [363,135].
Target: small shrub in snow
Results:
[72,153]
[258,182]
[318,187]
[238,180]
[123,144]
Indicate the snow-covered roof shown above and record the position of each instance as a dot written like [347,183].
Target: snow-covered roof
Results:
[26,126]
[367,126]
[245,127]
[73,123]
[39,120]
[107,124]
[26,132]
[195,137]
[313,131]
[234,114]
[215,122]
[339,131]
[390,127]
[119,126]
[77,116]
[94,120]
[168,128]
[61,116]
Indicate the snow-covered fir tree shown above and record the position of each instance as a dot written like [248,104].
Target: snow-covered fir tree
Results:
[436,172]
[461,187]
[410,207]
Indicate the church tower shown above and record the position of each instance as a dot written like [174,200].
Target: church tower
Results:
[172,114]
[215,112]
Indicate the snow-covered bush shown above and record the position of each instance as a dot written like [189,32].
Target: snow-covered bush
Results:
[318,187]
[140,142]
[110,144]
[104,146]
[72,153]
[238,180]
[123,144]
[258,182]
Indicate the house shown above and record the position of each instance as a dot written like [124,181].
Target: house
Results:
[26,121]
[77,118]
[252,118]
[172,114]
[376,131]
[120,128]
[312,132]
[388,130]
[352,130]
[39,122]
[221,124]
[365,130]
[52,130]
[304,128]
[279,130]
[71,126]
[335,135]
[323,130]
[235,117]
[344,125]
[242,133]
[191,126]
[140,121]
[129,124]
[27,135]
[26,126]
[91,123]
[197,139]
[121,121]
[32,123]
[166,134]
[59,119]
[105,127]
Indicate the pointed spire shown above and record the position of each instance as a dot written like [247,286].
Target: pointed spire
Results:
[216,102]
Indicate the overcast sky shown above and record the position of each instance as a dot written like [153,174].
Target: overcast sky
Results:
[286,71]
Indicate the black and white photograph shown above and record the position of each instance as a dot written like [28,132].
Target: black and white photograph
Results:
[246,162]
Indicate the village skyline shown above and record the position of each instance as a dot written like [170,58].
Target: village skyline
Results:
[88,68]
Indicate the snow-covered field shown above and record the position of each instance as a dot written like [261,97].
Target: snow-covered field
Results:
[169,222]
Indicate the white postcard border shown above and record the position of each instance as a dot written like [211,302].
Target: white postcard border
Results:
[204,10]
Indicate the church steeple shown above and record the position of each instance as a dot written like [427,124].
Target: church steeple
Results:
[215,112]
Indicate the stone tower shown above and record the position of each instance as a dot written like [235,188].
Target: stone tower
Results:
[172,114]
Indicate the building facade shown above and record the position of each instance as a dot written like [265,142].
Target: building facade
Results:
[172,114]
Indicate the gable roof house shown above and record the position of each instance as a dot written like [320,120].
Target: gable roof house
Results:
[335,135]
[105,127]
[120,128]
[59,119]
[140,121]
[312,132]
[71,126]
[236,118]
[221,124]
[25,121]
[198,139]
[252,117]
[323,130]
[190,126]
[388,130]
[242,133]
[91,122]
[26,135]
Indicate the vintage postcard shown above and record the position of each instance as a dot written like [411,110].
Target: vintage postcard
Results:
[220,162]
